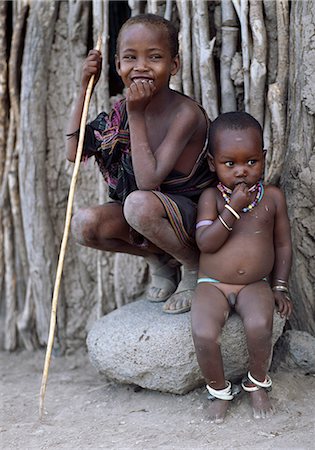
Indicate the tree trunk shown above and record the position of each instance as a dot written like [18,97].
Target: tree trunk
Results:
[37,221]
[299,170]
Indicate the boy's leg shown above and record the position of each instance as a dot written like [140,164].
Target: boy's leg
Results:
[104,227]
[209,311]
[255,305]
[146,214]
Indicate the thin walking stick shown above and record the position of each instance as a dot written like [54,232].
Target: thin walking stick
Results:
[65,239]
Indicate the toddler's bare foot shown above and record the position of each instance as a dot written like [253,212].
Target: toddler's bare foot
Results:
[219,401]
[217,410]
[258,391]
[262,408]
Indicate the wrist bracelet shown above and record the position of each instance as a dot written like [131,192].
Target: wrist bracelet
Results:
[224,223]
[235,214]
[281,282]
[280,288]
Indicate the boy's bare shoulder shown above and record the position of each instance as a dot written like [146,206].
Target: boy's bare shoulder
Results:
[208,194]
[276,194]
[271,189]
[186,105]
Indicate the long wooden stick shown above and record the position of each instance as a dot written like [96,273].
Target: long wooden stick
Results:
[65,239]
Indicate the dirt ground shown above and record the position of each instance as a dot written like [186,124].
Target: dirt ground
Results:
[85,411]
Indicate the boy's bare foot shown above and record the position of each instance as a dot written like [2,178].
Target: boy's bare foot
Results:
[217,410]
[219,401]
[262,408]
[180,301]
[165,275]
[258,390]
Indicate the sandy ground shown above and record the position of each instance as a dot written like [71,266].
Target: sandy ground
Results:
[85,411]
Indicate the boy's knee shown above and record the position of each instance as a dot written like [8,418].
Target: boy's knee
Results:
[83,227]
[205,336]
[260,327]
[138,209]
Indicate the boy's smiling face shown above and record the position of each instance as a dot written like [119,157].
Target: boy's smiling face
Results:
[144,55]
[239,157]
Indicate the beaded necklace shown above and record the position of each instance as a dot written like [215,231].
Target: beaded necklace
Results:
[259,187]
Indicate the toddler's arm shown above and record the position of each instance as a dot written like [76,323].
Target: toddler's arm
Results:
[212,237]
[283,252]
[92,66]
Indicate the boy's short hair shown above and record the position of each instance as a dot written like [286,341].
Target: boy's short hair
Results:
[157,21]
[237,120]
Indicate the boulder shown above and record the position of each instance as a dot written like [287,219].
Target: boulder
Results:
[139,344]
[296,349]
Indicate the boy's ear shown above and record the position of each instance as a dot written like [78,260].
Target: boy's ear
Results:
[175,65]
[210,160]
[117,64]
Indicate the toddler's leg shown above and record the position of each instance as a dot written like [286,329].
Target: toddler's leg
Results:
[145,213]
[209,312]
[255,305]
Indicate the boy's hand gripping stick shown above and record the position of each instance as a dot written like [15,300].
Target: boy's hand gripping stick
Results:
[65,238]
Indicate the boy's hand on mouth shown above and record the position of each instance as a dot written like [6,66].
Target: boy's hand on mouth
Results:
[240,197]
[139,94]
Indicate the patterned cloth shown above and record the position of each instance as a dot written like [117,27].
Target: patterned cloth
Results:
[107,139]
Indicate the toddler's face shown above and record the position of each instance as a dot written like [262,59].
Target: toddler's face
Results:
[144,55]
[239,157]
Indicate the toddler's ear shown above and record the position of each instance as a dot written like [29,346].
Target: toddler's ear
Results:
[210,160]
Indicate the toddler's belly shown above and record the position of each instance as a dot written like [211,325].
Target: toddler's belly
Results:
[238,264]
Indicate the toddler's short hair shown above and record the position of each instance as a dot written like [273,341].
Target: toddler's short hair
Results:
[157,21]
[237,120]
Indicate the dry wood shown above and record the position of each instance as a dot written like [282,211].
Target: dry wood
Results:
[207,70]
[258,63]
[168,10]
[270,13]
[101,21]
[195,54]
[65,239]
[135,6]
[228,49]
[152,6]
[22,267]
[3,122]
[10,335]
[25,319]
[184,15]
[277,95]
[245,51]
[10,338]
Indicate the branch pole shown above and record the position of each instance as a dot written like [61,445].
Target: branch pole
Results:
[65,240]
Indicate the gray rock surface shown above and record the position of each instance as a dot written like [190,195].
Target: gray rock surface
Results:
[139,344]
[296,349]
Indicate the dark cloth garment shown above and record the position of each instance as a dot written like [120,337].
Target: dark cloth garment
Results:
[107,139]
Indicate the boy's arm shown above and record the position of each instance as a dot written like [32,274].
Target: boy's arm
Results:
[283,253]
[211,236]
[91,66]
[151,168]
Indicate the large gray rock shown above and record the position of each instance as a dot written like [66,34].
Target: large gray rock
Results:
[296,349]
[139,344]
